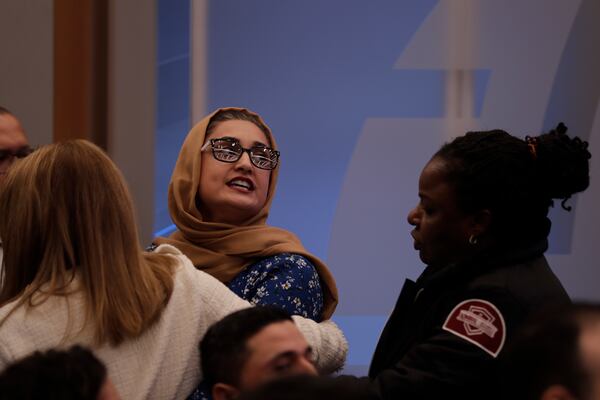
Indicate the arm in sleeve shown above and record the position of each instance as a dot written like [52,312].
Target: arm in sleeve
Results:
[328,343]
[444,365]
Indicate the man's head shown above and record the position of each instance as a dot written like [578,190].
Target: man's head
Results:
[13,142]
[557,356]
[250,347]
[58,374]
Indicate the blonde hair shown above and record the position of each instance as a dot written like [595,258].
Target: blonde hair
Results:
[66,213]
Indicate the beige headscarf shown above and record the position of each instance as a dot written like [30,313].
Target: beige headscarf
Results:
[220,249]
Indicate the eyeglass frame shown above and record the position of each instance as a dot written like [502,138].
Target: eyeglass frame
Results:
[211,143]
[21,152]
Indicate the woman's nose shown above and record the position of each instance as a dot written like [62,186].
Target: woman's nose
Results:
[244,162]
[413,216]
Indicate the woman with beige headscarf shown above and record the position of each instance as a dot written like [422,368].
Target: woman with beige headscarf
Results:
[219,198]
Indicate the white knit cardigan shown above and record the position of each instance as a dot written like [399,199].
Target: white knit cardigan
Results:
[164,362]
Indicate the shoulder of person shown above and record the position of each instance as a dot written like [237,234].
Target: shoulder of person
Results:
[482,321]
[287,260]
[528,285]
[505,275]
[185,269]
[485,315]
[164,249]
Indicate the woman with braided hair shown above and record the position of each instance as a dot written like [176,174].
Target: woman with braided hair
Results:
[481,228]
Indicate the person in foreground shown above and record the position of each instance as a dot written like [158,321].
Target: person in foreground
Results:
[555,357]
[13,142]
[75,273]
[250,347]
[303,387]
[219,199]
[72,374]
[481,228]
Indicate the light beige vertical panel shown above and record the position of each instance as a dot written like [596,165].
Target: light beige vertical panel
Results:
[460,46]
[199,51]
[132,99]
[26,64]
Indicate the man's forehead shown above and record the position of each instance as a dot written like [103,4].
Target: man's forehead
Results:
[273,333]
[589,345]
[12,135]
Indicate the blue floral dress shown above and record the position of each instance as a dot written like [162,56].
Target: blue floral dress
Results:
[286,280]
[289,281]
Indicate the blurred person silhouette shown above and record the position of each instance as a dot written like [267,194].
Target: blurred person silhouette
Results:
[302,387]
[75,274]
[72,374]
[13,144]
[556,356]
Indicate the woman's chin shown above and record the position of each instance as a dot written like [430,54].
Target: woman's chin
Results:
[425,258]
[233,210]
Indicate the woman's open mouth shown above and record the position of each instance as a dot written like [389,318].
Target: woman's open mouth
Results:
[241,183]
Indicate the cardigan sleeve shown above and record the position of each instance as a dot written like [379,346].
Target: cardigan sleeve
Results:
[327,340]
[329,344]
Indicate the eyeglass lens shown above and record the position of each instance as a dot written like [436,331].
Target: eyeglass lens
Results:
[19,153]
[230,150]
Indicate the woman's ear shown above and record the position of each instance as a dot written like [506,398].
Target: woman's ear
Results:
[481,222]
[223,391]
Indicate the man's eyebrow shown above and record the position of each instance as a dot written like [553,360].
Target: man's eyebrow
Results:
[290,354]
[284,355]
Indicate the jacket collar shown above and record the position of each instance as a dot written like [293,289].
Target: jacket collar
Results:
[484,262]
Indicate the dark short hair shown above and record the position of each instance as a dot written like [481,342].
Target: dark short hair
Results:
[546,352]
[73,374]
[4,111]
[223,350]
[516,179]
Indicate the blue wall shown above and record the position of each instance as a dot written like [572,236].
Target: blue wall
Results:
[356,93]
[173,105]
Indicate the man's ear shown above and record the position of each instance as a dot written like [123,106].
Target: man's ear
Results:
[557,392]
[223,391]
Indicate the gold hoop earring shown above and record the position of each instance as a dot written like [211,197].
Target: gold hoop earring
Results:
[473,240]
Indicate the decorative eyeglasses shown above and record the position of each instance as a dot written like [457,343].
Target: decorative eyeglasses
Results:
[19,153]
[230,150]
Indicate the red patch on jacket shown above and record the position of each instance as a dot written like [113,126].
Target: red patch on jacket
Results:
[479,322]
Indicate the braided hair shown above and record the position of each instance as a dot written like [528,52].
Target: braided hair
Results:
[516,179]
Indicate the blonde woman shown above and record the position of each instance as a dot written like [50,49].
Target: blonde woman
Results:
[75,274]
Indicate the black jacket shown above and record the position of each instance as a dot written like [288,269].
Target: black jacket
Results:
[447,328]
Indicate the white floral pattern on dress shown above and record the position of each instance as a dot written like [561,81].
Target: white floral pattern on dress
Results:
[286,280]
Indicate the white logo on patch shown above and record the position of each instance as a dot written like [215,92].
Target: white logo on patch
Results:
[478,320]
